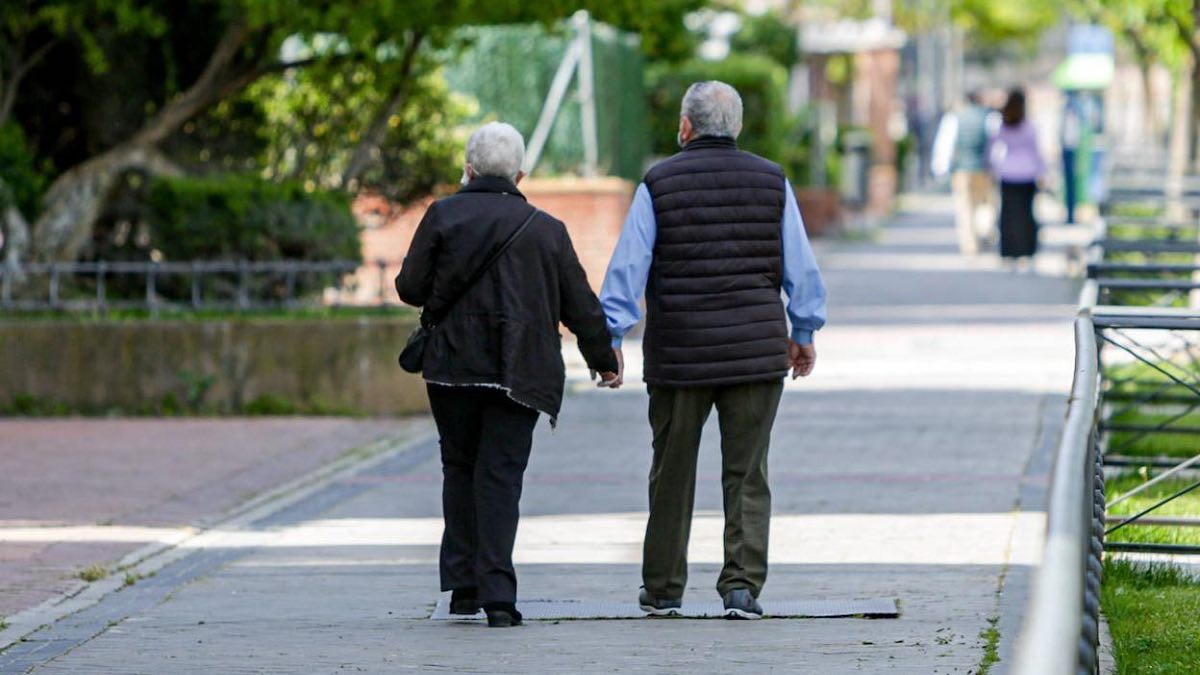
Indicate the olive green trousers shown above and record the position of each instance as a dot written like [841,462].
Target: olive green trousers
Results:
[746,413]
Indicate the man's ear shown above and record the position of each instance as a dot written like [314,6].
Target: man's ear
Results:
[685,129]
[520,175]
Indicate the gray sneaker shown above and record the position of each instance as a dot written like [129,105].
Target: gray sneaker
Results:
[655,607]
[739,604]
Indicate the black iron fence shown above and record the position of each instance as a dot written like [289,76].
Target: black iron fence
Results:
[197,285]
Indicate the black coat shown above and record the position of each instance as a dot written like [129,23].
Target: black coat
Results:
[504,331]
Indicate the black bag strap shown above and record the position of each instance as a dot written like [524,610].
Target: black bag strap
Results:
[483,269]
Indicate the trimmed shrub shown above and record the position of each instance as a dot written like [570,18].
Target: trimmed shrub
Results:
[21,182]
[236,216]
[761,82]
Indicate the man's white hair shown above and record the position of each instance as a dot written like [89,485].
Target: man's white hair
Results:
[496,149]
[714,108]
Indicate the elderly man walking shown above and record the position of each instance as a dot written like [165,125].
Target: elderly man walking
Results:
[712,237]
[495,276]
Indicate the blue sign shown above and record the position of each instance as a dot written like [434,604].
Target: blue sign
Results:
[1089,39]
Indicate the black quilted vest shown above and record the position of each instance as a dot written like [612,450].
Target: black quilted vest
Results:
[714,315]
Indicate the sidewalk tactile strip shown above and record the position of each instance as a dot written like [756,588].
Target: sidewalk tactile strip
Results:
[876,608]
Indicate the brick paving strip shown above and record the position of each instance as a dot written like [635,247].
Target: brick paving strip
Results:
[123,494]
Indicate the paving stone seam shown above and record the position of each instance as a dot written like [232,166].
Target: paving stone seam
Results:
[148,559]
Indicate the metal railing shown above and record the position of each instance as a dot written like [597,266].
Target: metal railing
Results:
[1060,635]
[196,285]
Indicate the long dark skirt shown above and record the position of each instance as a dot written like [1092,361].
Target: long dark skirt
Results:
[1018,229]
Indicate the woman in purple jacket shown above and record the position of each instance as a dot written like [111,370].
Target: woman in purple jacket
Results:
[1018,166]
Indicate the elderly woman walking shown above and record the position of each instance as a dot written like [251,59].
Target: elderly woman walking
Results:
[1017,164]
[495,277]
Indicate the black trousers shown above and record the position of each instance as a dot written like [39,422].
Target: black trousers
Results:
[1018,229]
[485,440]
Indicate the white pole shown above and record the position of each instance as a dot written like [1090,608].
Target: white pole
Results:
[587,91]
[554,99]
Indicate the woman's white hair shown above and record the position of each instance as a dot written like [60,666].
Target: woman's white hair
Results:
[714,108]
[496,149]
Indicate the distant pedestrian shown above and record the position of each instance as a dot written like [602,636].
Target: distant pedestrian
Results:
[713,236]
[493,360]
[1017,164]
[1071,133]
[960,150]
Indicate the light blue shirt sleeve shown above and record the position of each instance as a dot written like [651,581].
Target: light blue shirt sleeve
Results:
[625,281]
[801,278]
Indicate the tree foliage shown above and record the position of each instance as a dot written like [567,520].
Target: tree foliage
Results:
[1156,31]
[244,217]
[105,87]
[314,120]
[987,23]
[769,35]
[760,81]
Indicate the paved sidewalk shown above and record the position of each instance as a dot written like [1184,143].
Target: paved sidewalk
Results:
[910,465]
[81,492]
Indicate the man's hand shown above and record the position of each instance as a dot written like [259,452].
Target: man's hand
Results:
[802,358]
[614,380]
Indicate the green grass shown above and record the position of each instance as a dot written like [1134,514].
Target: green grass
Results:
[1147,232]
[1187,505]
[1137,444]
[991,646]
[93,573]
[1136,209]
[1154,616]
[1129,380]
[1145,297]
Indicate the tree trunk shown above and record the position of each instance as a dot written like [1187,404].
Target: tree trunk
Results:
[1177,153]
[1194,120]
[19,67]
[1145,61]
[76,198]
[16,241]
[366,153]
[1150,126]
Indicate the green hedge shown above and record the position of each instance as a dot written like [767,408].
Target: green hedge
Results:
[761,82]
[236,216]
[21,181]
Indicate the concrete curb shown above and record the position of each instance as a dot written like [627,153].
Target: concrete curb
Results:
[1028,534]
[152,557]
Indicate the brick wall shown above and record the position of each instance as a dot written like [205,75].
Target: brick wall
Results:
[592,209]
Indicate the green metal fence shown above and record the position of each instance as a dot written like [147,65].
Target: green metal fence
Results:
[508,70]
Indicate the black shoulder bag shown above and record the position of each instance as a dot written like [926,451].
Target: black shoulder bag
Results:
[412,358]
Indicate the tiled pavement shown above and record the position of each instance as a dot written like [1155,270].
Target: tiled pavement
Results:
[910,465]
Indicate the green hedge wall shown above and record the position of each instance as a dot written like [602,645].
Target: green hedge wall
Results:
[237,216]
[21,181]
[761,82]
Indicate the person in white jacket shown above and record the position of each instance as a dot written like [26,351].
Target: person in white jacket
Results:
[960,151]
